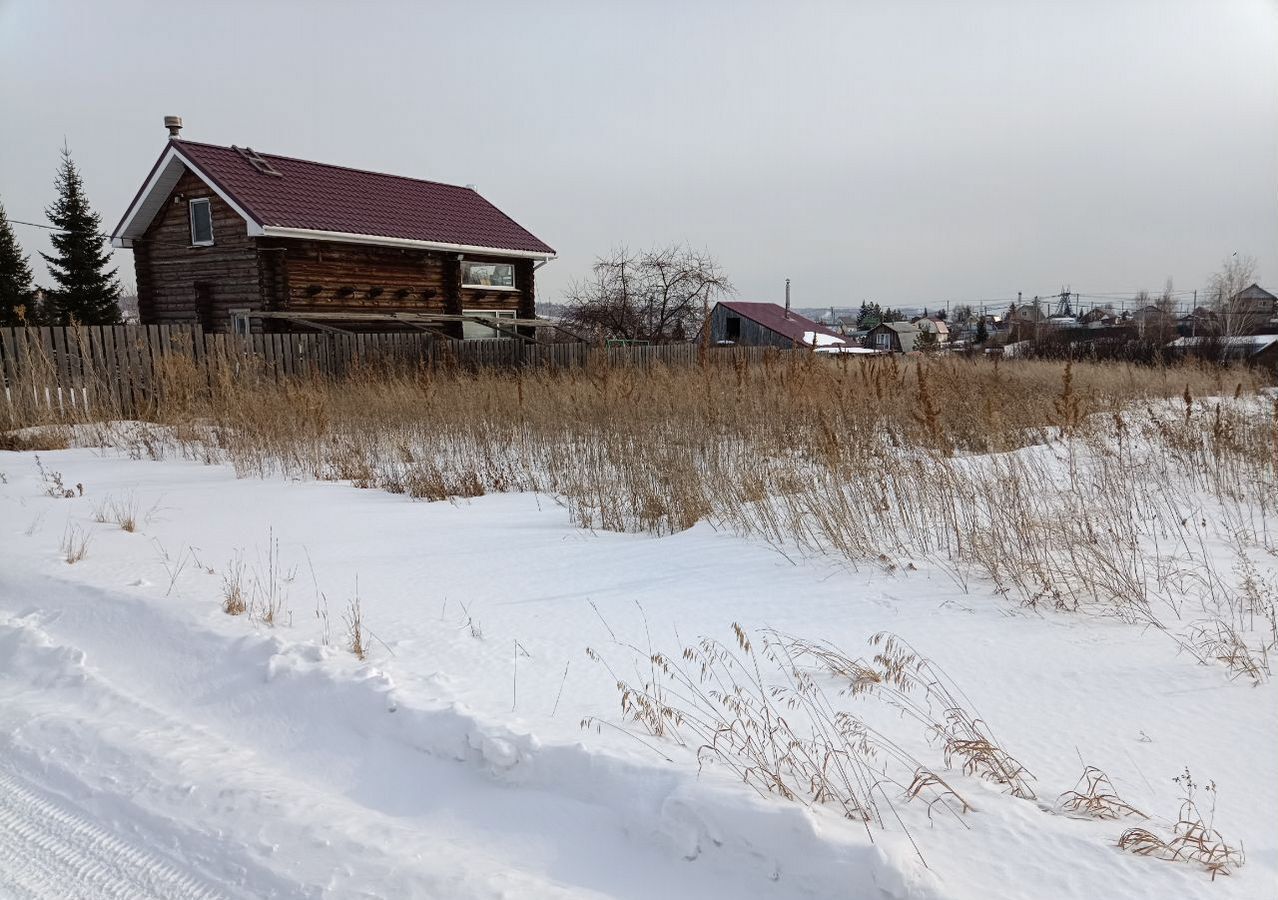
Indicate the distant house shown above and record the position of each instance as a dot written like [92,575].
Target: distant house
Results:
[1252,310]
[766,325]
[1028,314]
[937,327]
[1253,349]
[1255,300]
[1098,318]
[1024,322]
[1202,321]
[1152,321]
[993,323]
[216,230]
[893,337]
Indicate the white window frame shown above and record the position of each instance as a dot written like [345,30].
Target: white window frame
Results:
[488,287]
[190,215]
[496,314]
[883,340]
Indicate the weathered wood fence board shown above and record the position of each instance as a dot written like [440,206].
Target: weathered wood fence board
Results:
[117,370]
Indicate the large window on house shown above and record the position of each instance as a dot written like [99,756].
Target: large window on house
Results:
[883,340]
[476,331]
[201,222]
[732,329]
[488,275]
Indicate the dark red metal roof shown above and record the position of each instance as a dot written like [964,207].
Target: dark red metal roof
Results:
[321,197]
[773,316]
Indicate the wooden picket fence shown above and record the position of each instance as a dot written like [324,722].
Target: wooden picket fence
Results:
[82,372]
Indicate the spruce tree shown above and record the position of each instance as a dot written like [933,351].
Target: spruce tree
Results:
[16,290]
[87,292]
[926,341]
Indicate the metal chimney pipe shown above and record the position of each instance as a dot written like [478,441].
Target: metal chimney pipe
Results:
[173,124]
[787,298]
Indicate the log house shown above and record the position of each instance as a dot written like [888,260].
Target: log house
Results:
[219,230]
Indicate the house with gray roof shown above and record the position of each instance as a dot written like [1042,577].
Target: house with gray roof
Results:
[893,337]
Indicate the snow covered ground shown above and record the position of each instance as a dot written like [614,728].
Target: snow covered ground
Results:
[151,745]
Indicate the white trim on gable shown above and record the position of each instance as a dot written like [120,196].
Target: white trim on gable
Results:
[157,189]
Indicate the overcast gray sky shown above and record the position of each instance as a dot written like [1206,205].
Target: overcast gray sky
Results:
[904,152]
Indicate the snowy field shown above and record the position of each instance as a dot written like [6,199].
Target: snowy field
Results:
[153,746]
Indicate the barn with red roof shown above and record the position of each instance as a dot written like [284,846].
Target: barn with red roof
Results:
[767,325]
[217,231]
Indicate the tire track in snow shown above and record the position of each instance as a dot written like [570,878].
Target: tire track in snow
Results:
[49,851]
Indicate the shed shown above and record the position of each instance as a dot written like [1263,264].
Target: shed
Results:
[766,325]
[1253,349]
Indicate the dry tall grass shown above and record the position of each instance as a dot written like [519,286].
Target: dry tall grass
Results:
[757,711]
[1102,488]
[1094,797]
[1194,838]
[75,544]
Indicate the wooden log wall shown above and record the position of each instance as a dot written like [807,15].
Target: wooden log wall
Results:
[331,277]
[109,372]
[452,295]
[168,267]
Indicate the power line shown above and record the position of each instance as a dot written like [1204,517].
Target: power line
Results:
[101,234]
[37,225]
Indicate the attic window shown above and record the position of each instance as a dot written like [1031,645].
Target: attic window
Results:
[201,223]
[488,275]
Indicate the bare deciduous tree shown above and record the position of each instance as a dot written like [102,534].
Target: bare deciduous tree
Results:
[1235,274]
[659,295]
[1166,303]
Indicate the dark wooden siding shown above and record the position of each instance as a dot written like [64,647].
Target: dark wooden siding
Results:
[168,268]
[752,333]
[872,338]
[323,276]
[330,277]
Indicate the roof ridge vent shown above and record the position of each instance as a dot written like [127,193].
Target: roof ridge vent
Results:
[256,161]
